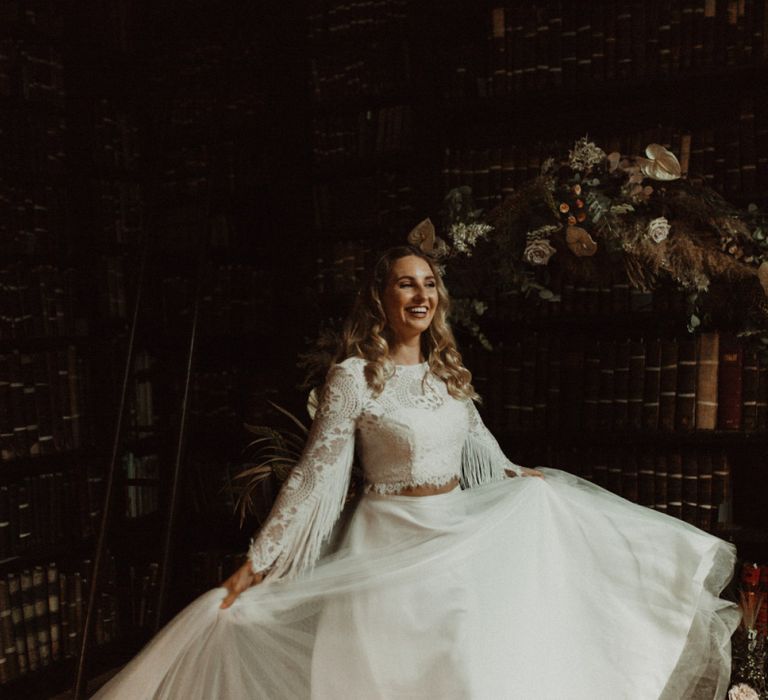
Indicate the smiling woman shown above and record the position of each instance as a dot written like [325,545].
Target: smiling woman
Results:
[449,579]
[409,300]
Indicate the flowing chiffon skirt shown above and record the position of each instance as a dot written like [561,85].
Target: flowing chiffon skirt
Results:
[530,588]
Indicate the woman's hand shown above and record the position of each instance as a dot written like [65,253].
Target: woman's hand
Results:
[243,578]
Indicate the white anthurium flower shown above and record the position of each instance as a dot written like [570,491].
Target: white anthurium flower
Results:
[660,164]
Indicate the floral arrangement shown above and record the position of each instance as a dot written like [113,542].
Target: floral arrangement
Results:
[750,646]
[592,213]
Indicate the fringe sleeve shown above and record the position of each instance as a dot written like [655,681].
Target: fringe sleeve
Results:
[481,457]
[313,496]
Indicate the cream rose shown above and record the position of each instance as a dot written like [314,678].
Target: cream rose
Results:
[538,252]
[658,229]
[742,692]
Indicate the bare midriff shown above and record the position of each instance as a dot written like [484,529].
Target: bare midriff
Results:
[428,489]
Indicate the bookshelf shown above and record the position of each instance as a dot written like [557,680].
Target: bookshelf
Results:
[496,89]
[51,481]
[529,82]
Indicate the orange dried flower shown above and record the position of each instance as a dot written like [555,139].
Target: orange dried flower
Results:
[581,216]
[577,189]
[564,208]
[571,220]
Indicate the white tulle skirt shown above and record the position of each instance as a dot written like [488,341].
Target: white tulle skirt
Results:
[530,588]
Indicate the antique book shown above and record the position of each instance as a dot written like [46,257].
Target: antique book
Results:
[707,381]
[636,385]
[690,487]
[660,483]
[675,484]
[730,387]
[668,384]
[591,384]
[646,476]
[652,384]
[685,407]
[749,387]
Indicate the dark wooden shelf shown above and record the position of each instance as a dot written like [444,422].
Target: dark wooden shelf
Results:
[357,37]
[360,166]
[59,675]
[33,177]
[364,102]
[614,438]
[58,461]
[598,103]
[40,343]
[622,323]
[52,105]
[64,551]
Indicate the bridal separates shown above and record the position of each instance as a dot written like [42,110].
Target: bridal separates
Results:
[505,588]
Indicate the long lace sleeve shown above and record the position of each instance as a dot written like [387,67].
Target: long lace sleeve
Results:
[312,497]
[481,457]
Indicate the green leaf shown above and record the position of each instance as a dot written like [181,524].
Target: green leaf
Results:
[695,321]
[546,294]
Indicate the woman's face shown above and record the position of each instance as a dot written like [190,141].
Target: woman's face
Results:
[410,297]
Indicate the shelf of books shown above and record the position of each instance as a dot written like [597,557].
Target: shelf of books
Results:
[52,475]
[606,381]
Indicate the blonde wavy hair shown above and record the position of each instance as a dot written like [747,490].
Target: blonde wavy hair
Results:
[367,334]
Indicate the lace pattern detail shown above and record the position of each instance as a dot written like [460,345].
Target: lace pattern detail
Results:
[411,434]
[397,486]
[312,497]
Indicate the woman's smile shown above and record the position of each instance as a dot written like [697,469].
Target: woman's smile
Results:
[410,297]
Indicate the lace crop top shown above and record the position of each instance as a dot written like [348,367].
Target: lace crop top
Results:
[413,433]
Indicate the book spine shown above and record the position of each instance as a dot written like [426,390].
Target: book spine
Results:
[729,381]
[668,384]
[630,477]
[685,408]
[513,363]
[42,626]
[707,382]
[675,484]
[621,386]
[28,612]
[541,384]
[607,384]
[721,486]
[591,386]
[553,386]
[54,609]
[690,492]
[555,59]
[528,381]
[652,384]
[707,514]
[10,668]
[646,478]
[749,387]
[636,388]
[762,394]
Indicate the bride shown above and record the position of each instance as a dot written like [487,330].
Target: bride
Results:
[451,577]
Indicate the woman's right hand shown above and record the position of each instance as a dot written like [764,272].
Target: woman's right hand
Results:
[243,578]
